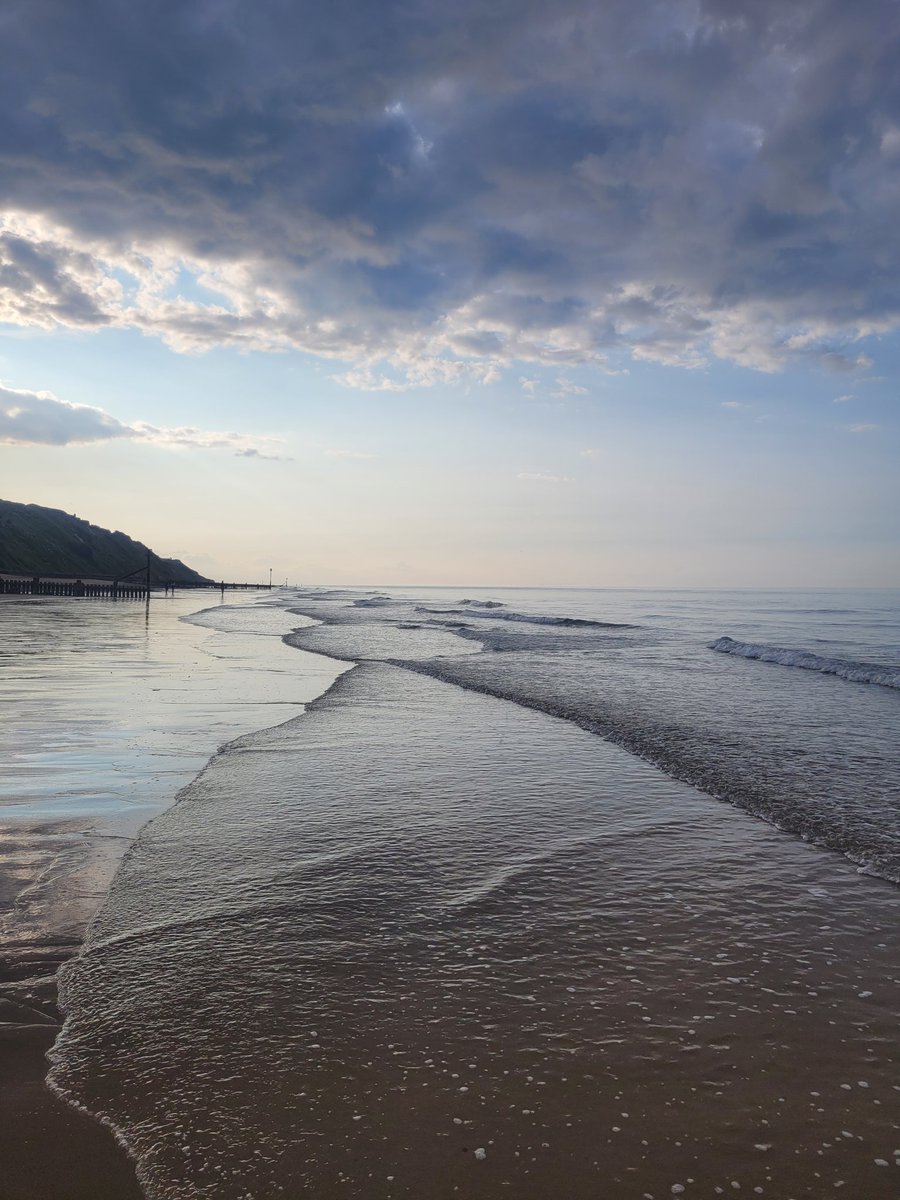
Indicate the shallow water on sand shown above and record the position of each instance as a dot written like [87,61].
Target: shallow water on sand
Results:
[424,942]
[108,709]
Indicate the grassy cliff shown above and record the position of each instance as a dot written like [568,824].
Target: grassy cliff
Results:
[46,541]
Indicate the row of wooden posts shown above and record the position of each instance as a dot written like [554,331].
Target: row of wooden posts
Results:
[127,589]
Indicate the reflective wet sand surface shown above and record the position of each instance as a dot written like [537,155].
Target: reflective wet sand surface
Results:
[108,709]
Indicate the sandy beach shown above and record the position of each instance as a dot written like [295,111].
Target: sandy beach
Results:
[115,710]
[48,1150]
[414,941]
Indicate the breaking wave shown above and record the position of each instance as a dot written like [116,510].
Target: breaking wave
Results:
[855,672]
[526,618]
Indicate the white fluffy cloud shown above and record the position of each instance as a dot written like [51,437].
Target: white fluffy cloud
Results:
[41,419]
[435,192]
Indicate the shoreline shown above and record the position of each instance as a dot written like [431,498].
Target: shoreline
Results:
[705,1046]
[60,857]
[90,1160]
[47,1147]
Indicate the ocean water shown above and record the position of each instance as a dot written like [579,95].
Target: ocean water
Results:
[786,705]
[552,893]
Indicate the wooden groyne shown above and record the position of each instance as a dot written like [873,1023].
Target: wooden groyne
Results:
[211,584]
[109,588]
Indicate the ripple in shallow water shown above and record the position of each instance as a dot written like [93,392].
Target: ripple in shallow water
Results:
[418,923]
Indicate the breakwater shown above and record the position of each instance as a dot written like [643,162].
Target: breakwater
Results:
[127,589]
[37,586]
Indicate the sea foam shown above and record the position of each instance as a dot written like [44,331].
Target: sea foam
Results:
[526,618]
[855,672]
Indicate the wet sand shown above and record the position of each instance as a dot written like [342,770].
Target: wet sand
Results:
[422,943]
[48,1150]
[112,708]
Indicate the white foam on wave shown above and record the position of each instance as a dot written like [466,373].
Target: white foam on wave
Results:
[855,672]
[527,618]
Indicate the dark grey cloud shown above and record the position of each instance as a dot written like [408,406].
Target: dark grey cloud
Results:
[429,184]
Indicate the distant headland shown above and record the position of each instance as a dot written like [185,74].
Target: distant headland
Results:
[46,541]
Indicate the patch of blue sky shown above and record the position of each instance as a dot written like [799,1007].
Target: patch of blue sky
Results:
[186,286]
[129,285]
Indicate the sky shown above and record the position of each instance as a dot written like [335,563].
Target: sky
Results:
[532,293]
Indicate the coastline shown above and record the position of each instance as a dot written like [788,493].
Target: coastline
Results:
[48,1148]
[584,981]
[66,822]
[778,974]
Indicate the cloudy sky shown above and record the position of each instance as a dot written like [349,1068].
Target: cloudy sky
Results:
[577,292]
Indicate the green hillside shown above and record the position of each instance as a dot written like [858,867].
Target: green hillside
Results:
[46,541]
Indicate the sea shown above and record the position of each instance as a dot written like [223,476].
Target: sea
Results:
[570,892]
